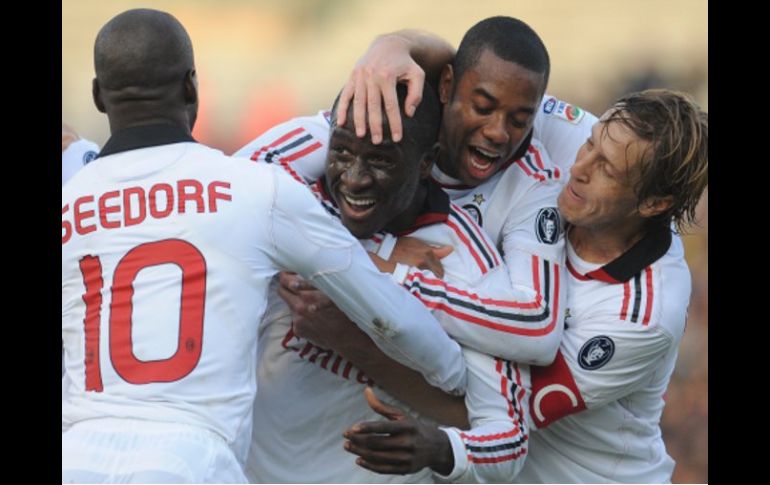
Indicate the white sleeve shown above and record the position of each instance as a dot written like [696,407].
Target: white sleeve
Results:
[494,449]
[310,242]
[534,250]
[617,359]
[636,353]
[299,145]
[562,128]
[77,154]
[489,315]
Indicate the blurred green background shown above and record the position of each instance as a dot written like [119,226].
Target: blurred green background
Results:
[261,62]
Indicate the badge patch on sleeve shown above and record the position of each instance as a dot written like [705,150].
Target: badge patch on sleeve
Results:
[475,212]
[549,105]
[548,225]
[596,352]
[566,111]
[88,156]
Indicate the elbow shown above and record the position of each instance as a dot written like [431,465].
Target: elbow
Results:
[540,352]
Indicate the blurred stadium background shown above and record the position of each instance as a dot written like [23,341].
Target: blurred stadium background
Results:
[261,62]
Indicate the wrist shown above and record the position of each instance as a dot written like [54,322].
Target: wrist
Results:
[442,461]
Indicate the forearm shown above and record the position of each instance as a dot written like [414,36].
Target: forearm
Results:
[428,50]
[402,382]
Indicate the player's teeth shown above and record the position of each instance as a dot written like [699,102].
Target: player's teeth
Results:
[359,202]
[486,153]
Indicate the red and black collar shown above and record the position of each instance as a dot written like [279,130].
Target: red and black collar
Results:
[144,137]
[642,254]
[434,210]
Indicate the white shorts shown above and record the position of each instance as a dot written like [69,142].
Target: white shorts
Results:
[112,450]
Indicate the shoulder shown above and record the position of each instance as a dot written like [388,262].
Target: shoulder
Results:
[535,168]
[674,290]
[295,134]
[556,114]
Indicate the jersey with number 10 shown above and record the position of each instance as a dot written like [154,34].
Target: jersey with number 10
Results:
[167,253]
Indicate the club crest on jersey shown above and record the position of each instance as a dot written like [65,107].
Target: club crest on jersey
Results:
[548,225]
[475,212]
[549,106]
[596,352]
[88,156]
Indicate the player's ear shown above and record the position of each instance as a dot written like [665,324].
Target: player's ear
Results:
[652,206]
[96,93]
[190,87]
[427,161]
[445,84]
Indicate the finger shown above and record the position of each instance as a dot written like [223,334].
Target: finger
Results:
[294,282]
[314,299]
[295,302]
[359,106]
[379,457]
[415,83]
[442,252]
[383,469]
[392,111]
[374,108]
[364,428]
[432,263]
[382,442]
[391,412]
[344,102]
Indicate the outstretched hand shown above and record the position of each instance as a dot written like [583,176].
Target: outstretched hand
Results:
[399,445]
[413,252]
[314,316]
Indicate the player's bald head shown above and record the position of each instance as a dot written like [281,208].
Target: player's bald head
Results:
[142,48]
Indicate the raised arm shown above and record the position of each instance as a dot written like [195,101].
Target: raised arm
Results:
[408,56]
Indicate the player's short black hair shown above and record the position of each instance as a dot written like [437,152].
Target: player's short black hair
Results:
[509,39]
[421,130]
[142,48]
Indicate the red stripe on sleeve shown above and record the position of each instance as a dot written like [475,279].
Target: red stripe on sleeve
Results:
[280,140]
[468,245]
[648,306]
[479,233]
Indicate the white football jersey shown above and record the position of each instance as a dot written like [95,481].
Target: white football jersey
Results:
[167,253]
[309,395]
[622,333]
[516,207]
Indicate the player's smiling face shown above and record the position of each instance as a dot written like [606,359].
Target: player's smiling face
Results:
[600,191]
[487,114]
[371,184]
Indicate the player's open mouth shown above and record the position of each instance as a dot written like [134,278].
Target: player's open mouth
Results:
[357,207]
[572,192]
[481,162]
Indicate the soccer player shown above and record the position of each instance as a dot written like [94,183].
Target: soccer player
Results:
[168,248]
[489,163]
[381,190]
[596,410]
